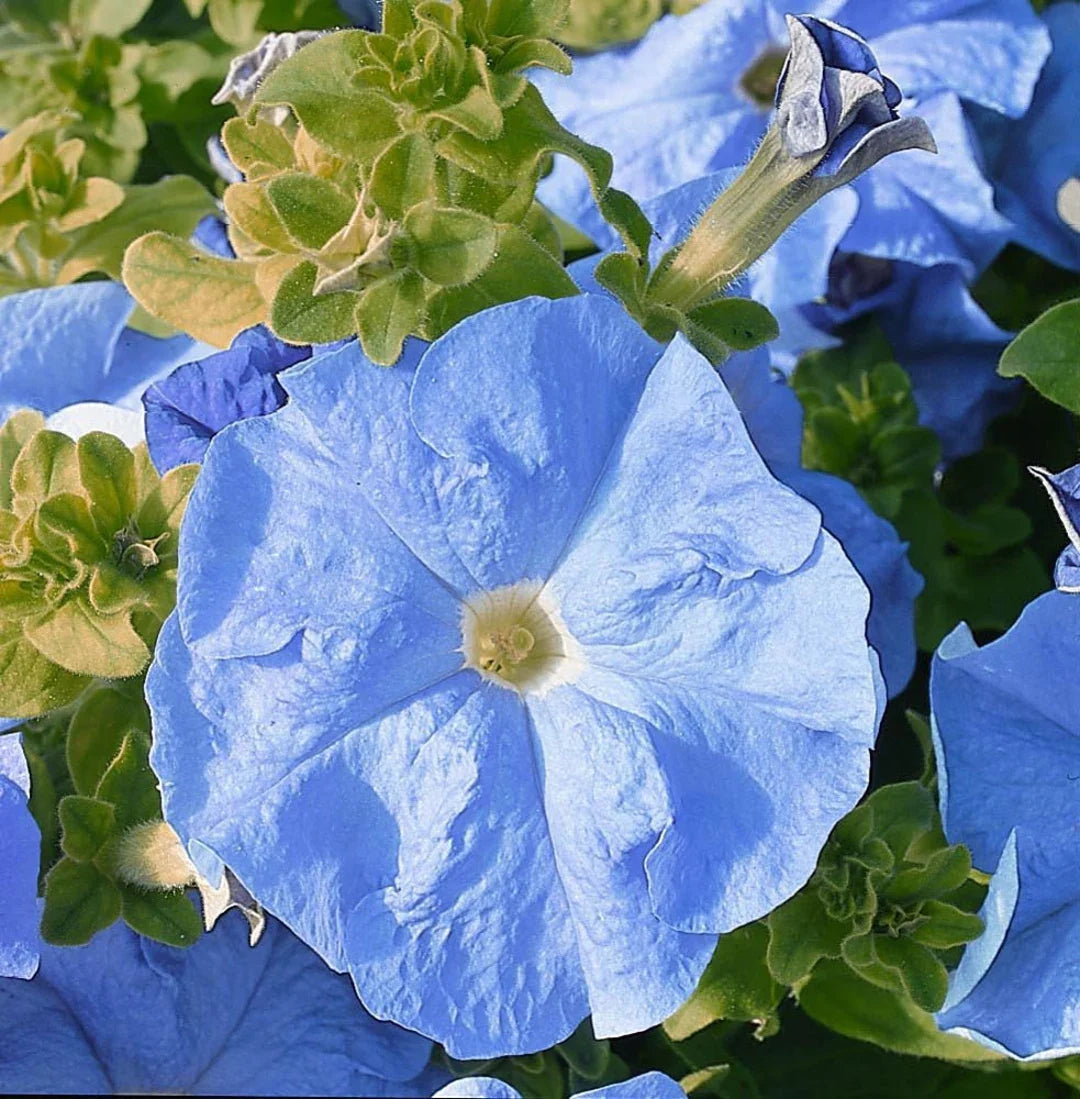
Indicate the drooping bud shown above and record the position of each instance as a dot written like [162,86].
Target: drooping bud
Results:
[836,116]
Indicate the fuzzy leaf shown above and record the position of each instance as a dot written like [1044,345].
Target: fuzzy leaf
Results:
[404,175]
[387,313]
[15,433]
[46,465]
[175,205]
[86,824]
[249,209]
[947,926]
[166,916]
[318,84]
[801,933]
[107,472]
[212,299]
[30,683]
[311,209]
[79,902]
[97,730]
[257,148]
[450,247]
[736,985]
[740,323]
[924,977]
[85,643]
[300,316]
[129,784]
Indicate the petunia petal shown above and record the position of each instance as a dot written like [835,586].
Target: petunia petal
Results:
[20,844]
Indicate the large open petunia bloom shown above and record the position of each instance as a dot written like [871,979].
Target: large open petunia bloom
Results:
[1006,722]
[20,843]
[516,677]
[130,1016]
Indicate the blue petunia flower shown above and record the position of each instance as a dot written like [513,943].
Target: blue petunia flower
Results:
[1035,162]
[65,345]
[1007,734]
[186,409]
[695,96]
[454,691]
[774,419]
[20,844]
[128,1015]
[949,347]
[650,1085]
[1064,490]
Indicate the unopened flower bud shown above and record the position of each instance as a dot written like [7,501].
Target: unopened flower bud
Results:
[836,116]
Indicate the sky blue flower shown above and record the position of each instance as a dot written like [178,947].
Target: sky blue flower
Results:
[949,347]
[186,409]
[650,1085]
[694,96]
[1034,162]
[453,692]
[125,1014]
[1007,734]
[69,344]
[20,842]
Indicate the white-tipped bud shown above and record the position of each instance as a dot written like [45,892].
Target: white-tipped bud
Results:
[151,855]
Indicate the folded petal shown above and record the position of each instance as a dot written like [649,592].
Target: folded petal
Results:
[607,805]
[695,566]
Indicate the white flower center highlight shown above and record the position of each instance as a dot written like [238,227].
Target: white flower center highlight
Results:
[512,638]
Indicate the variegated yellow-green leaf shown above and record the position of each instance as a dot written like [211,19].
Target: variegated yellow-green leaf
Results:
[208,297]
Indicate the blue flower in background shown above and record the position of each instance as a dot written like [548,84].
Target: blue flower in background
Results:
[127,1015]
[949,347]
[1034,163]
[1007,734]
[20,844]
[185,410]
[64,345]
[650,1085]
[695,96]
[454,691]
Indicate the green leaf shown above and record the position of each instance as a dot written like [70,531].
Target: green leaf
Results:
[79,902]
[312,209]
[944,872]
[624,276]
[46,466]
[801,933]
[19,428]
[521,268]
[387,313]
[837,998]
[164,916]
[105,17]
[249,209]
[97,730]
[129,784]
[318,83]
[585,1055]
[740,323]
[30,683]
[210,298]
[736,985]
[172,205]
[1047,355]
[511,18]
[947,926]
[924,977]
[257,148]
[404,175]
[86,824]
[75,637]
[450,247]
[300,316]
[107,472]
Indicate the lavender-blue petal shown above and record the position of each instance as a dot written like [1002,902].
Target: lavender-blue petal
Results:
[20,845]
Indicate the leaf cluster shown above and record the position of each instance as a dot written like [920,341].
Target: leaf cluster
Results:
[91,784]
[88,553]
[58,224]
[79,56]
[389,185]
[716,327]
[965,536]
